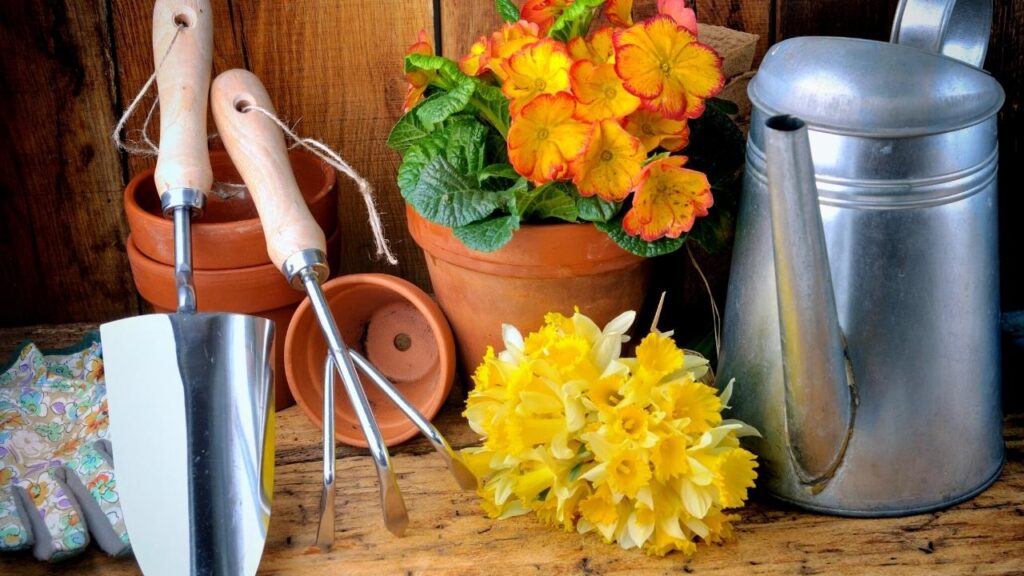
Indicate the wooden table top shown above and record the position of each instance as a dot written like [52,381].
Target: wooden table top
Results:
[449,534]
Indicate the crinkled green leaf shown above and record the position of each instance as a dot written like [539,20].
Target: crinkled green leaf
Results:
[488,235]
[634,244]
[492,105]
[447,69]
[575,20]
[715,231]
[448,197]
[555,200]
[594,209]
[408,131]
[502,171]
[507,9]
[443,104]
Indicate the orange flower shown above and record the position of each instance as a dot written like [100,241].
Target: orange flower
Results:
[540,68]
[543,12]
[611,164]
[544,138]
[599,49]
[662,63]
[655,130]
[511,38]
[418,79]
[677,10]
[476,62]
[668,199]
[599,92]
[619,12]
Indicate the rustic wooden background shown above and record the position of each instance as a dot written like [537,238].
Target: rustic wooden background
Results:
[71,66]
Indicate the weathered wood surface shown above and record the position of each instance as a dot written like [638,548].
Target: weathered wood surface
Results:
[448,534]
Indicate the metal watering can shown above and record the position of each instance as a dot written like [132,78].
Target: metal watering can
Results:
[862,319]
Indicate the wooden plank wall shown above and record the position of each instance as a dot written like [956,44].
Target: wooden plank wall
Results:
[72,65]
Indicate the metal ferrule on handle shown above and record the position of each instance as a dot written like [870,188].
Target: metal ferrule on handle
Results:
[183,204]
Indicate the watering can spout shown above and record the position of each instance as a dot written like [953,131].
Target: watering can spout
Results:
[819,397]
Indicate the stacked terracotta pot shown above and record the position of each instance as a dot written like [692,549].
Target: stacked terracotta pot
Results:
[232,271]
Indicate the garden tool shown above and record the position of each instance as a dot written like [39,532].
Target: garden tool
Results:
[243,112]
[57,483]
[862,320]
[191,395]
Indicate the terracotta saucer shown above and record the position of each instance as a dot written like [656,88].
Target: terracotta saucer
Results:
[394,324]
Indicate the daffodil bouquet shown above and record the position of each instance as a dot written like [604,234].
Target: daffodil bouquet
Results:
[546,120]
[634,449]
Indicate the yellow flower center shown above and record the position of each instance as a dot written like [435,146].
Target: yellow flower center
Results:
[543,134]
[625,469]
[540,83]
[610,92]
[607,156]
[666,67]
[647,129]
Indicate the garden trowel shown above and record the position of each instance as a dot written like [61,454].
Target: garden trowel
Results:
[190,394]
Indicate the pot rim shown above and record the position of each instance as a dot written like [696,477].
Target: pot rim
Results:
[440,387]
[583,250]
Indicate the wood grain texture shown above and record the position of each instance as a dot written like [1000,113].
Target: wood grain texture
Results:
[61,236]
[448,533]
[746,15]
[868,19]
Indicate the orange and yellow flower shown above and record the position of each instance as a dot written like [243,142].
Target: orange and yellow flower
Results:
[619,12]
[418,80]
[599,48]
[678,11]
[545,138]
[668,200]
[599,92]
[655,130]
[543,12]
[662,63]
[540,68]
[611,165]
[479,58]
[511,38]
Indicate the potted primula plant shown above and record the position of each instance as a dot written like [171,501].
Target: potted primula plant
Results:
[541,169]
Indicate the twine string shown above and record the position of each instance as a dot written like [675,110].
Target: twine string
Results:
[128,146]
[323,152]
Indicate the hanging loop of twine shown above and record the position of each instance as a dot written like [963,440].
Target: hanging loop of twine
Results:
[322,151]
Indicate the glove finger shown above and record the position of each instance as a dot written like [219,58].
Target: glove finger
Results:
[91,478]
[14,531]
[57,526]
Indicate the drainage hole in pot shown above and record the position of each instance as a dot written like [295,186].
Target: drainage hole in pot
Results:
[402,342]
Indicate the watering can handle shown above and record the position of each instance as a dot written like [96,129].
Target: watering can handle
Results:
[958,29]
[256,145]
[183,84]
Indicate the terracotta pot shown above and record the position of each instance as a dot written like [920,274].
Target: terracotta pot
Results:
[545,268]
[398,328]
[258,290]
[229,234]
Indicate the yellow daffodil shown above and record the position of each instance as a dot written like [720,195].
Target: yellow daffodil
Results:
[655,130]
[599,92]
[598,49]
[611,164]
[544,138]
[540,68]
[668,200]
[583,450]
[418,80]
[662,63]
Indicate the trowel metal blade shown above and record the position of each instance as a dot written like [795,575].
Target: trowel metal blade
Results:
[191,409]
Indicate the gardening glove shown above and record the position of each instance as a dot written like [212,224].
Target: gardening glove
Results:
[56,478]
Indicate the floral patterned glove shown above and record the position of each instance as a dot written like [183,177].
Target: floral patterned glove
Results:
[56,478]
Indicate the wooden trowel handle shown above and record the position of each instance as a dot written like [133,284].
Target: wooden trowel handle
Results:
[183,83]
[257,148]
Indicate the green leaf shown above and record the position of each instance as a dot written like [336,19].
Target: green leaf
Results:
[575,20]
[502,171]
[594,209]
[447,69]
[408,131]
[492,105]
[717,147]
[714,232]
[441,105]
[724,106]
[488,235]
[555,200]
[508,10]
[448,197]
[636,245]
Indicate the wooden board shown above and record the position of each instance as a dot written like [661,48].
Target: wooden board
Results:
[61,238]
[448,533]
[834,18]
